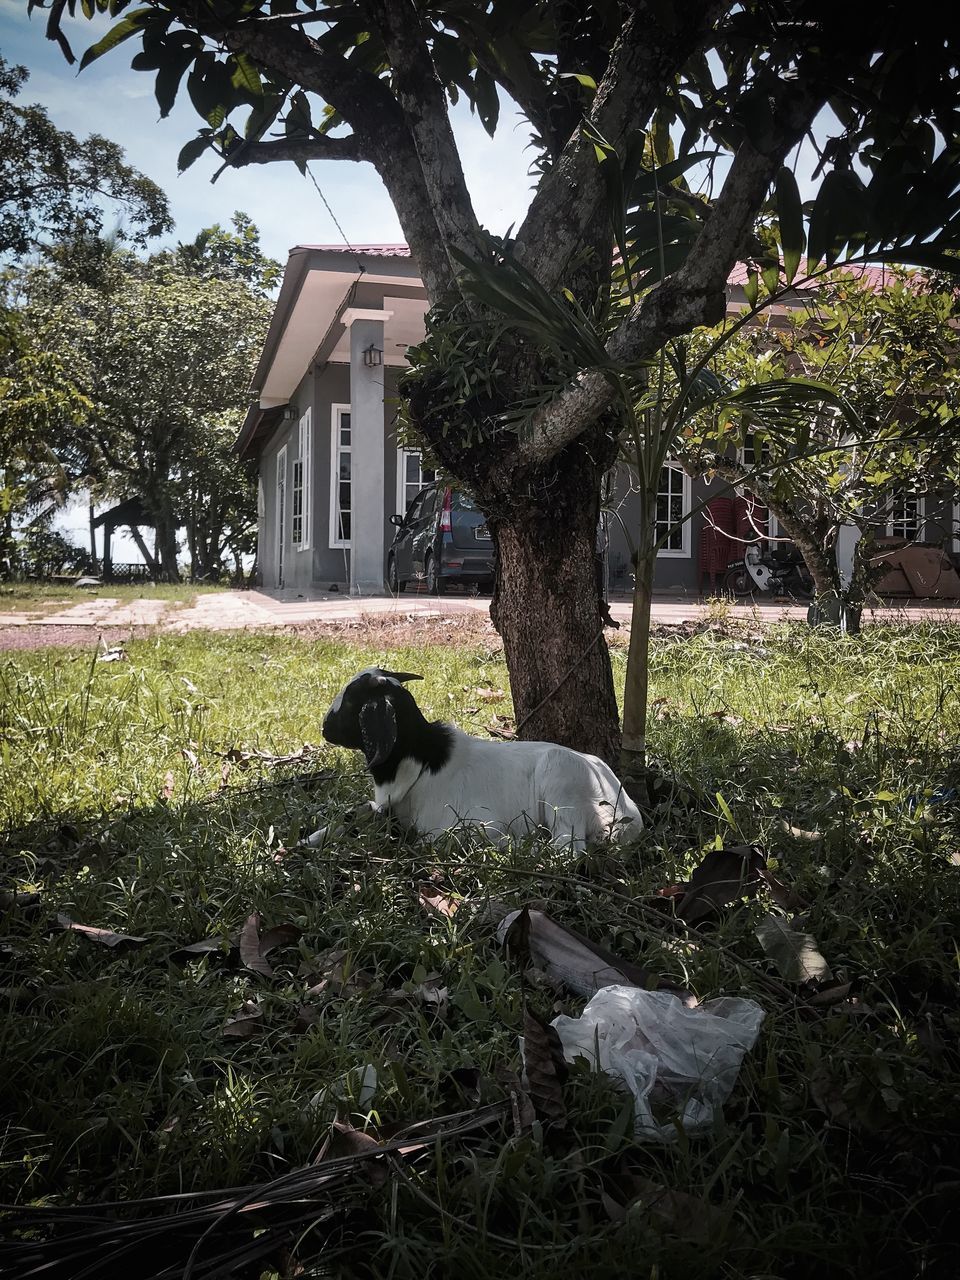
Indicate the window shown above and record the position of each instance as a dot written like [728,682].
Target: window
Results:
[412,476]
[302,471]
[341,470]
[673,505]
[956,527]
[905,517]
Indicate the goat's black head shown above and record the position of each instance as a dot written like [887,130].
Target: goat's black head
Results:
[364,715]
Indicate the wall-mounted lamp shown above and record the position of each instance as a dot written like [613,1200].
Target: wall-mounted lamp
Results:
[289,413]
[372,356]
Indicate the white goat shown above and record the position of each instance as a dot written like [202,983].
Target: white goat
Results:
[432,777]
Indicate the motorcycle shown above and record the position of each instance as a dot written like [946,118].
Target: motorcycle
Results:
[780,572]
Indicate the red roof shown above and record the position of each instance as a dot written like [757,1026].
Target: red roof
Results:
[371,250]
[873,277]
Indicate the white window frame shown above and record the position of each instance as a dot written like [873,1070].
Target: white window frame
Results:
[303,481]
[336,413]
[683,551]
[402,455]
[921,516]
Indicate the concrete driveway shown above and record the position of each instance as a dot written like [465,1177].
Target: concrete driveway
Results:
[250,610]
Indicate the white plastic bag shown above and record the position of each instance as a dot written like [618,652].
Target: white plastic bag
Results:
[660,1048]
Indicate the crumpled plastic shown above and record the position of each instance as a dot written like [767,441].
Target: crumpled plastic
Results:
[660,1048]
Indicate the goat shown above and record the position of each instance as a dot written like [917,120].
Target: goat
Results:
[431,776]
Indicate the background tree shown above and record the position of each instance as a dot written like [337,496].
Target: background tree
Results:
[891,353]
[163,358]
[749,80]
[54,186]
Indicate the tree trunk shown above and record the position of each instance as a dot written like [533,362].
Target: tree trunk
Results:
[91,515]
[166,544]
[635,694]
[546,607]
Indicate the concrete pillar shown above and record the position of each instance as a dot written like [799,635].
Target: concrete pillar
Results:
[368,510]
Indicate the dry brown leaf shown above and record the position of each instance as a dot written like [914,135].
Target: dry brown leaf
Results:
[722,878]
[545,1069]
[279,935]
[433,899]
[246,1023]
[307,1015]
[345,1140]
[250,952]
[569,957]
[830,995]
[106,937]
[21,898]
[795,954]
[205,946]
[169,785]
[785,897]
[489,695]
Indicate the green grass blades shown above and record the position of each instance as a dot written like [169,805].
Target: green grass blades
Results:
[161,797]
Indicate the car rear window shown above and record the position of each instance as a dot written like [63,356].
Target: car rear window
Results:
[463,502]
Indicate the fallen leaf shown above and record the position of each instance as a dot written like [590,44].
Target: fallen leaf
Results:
[248,1022]
[250,952]
[545,1069]
[569,957]
[307,1015]
[829,995]
[169,785]
[279,935]
[798,833]
[722,878]
[489,695]
[205,946]
[104,936]
[345,1140]
[433,899]
[684,1215]
[796,955]
[785,897]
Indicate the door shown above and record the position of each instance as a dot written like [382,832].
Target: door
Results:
[281,509]
[403,547]
[423,531]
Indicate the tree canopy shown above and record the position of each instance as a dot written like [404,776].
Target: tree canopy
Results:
[54,185]
[653,86]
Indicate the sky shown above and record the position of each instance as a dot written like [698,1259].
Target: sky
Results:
[112,99]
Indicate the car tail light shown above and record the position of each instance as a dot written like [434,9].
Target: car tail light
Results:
[446,524]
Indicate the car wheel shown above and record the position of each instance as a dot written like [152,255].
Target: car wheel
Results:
[435,584]
[393,577]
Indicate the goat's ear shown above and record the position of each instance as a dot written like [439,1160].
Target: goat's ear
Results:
[378,730]
[402,676]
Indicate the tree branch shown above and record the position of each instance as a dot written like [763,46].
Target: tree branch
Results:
[643,62]
[299,150]
[423,103]
[378,125]
[694,295]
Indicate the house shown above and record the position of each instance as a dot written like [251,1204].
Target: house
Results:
[332,471]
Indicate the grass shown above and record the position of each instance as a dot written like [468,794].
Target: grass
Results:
[836,1154]
[39,599]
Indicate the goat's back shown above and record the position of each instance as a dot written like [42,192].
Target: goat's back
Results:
[513,788]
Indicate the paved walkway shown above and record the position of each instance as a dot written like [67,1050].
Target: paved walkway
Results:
[246,610]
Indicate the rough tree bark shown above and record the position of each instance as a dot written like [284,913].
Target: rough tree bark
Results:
[547,606]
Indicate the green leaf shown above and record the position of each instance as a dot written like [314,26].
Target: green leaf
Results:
[192,151]
[588,82]
[770,273]
[751,287]
[169,74]
[790,214]
[129,26]
[245,75]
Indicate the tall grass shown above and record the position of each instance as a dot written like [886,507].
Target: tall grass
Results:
[123,808]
